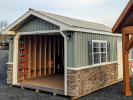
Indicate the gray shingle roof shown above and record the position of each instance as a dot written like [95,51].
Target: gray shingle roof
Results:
[76,22]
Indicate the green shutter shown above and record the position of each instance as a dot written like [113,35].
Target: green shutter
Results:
[108,51]
[90,53]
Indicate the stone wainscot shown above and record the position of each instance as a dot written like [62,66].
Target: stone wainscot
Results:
[82,82]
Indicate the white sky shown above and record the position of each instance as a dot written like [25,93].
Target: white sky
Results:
[100,11]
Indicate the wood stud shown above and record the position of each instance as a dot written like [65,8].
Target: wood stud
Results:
[42,52]
[29,57]
[34,57]
[49,57]
[54,54]
[45,55]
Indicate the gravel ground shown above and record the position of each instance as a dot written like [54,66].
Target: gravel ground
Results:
[113,92]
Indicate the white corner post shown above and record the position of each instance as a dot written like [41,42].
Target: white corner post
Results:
[15,59]
[65,62]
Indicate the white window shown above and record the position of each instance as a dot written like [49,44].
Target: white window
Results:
[99,51]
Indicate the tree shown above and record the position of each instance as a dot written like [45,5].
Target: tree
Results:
[3,24]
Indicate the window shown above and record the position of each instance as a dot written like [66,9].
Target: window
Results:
[99,51]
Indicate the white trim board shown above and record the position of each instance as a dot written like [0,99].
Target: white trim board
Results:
[15,59]
[37,14]
[91,66]
[65,62]
[89,31]
[39,32]
[9,63]
[63,26]
[56,31]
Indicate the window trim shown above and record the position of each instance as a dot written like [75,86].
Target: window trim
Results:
[98,41]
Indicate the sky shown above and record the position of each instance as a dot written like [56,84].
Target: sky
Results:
[99,11]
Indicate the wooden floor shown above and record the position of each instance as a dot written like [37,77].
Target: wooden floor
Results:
[50,81]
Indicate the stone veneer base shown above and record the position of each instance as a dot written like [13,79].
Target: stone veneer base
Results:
[9,73]
[85,81]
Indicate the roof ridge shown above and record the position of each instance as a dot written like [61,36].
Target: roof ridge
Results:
[86,21]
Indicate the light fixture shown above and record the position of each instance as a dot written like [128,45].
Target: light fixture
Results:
[69,36]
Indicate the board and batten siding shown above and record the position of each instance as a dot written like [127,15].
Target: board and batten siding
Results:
[70,49]
[80,46]
[34,24]
[10,52]
[37,24]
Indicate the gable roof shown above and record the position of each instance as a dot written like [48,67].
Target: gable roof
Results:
[65,23]
[76,22]
[125,18]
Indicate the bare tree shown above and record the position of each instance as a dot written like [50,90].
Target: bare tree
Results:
[3,24]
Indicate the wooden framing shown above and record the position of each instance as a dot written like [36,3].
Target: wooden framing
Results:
[130,43]
[49,57]
[54,40]
[125,27]
[124,15]
[127,45]
[29,57]
[127,30]
[40,53]
[35,47]
[126,82]
[45,55]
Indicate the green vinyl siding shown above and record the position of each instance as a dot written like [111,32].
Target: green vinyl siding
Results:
[10,52]
[70,50]
[37,24]
[81,50]
[70,53]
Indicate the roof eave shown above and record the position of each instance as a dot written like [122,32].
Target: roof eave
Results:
[121,17]
[34,13]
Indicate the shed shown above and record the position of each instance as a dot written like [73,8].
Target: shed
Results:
[62,55]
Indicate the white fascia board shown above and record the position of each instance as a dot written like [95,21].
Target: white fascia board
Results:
[39,32]
[94,31]
[8,33]
[7,30]
[62,26]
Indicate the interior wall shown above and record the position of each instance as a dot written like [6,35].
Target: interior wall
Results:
[40,55]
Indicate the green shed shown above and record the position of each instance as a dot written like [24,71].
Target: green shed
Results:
[62,55]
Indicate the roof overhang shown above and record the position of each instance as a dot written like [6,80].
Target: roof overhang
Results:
[18,22]
[125,19]
[10,30]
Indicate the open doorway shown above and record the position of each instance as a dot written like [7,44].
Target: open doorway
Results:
[41,61]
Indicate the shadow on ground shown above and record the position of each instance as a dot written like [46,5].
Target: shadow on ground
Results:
[113,92]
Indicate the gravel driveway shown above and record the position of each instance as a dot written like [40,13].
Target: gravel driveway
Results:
[113,92]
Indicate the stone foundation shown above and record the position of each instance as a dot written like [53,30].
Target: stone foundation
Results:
[9,73]
[82,82]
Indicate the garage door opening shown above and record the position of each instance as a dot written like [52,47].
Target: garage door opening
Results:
[41,61]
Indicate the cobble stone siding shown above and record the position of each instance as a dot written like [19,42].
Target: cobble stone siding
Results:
[9,73]
[82,82]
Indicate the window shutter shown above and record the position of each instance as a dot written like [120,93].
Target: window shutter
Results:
[108,51]
[90,52]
